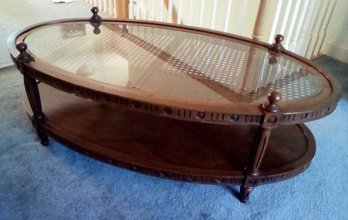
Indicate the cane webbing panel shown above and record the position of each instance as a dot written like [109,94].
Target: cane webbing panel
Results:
[173,63]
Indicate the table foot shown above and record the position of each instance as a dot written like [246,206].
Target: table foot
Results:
[43,138]
[244,193]
[40,133]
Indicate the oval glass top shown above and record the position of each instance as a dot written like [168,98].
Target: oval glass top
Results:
[173,62]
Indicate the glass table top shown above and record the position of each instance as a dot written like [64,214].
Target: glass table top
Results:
[173,62]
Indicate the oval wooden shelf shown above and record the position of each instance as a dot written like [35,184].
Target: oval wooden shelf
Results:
[159,146]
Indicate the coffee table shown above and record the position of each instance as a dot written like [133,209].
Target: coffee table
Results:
[173,101]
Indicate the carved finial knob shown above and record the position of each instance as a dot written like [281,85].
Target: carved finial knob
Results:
[278,38]
[95,17]
[273,99]
[23,55]
[95,20]
[95,10]
[277,46]
[22,47]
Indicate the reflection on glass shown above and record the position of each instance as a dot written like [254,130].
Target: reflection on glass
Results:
[172,62]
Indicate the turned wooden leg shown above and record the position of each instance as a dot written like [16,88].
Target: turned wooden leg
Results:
[39,117]
[43,137]
[31,90]
[270,121]
[245,191]
[255,158]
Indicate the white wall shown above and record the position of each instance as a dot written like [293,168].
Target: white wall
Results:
[336,43]
[304,23]
[232,16]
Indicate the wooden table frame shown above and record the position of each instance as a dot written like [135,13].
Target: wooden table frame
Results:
[266,119]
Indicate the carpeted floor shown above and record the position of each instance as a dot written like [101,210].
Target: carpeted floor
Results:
[58,183]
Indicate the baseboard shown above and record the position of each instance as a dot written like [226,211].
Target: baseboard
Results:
[6,67]
[5,63]
[320,55]
[336,50]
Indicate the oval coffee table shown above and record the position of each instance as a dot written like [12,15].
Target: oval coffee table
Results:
[173,101]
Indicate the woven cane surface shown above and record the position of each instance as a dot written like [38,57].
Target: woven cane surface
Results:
[173,63]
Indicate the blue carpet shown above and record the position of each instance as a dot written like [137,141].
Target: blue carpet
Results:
[58,183]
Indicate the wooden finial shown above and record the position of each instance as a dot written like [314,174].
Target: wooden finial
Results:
[23,55]
[273,99]
[95,17]
[95,20]
[277,45]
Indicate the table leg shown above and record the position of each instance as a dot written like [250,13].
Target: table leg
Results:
[31,90]
[270,121]
[255,158]
[33,95]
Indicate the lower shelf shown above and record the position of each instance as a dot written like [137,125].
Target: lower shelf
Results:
[181,150]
